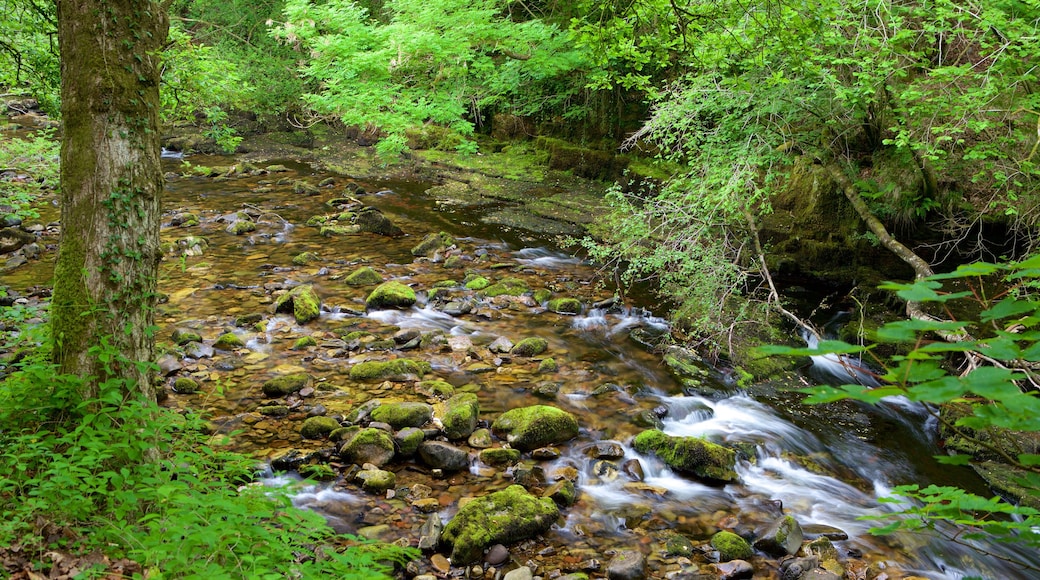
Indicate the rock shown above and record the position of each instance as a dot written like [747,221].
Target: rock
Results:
[305,258]
[304,188]
[478,283]
[813,531]
[504,516]
[507,287]
[445,456]
[497,555]
[363,276]
[689,454]
[430,533]
[527,428]
[332,229]
[398,369]
[605,450]
[403,414]
[501,345]
[229,341]
[564,306]
[286,384]
[548,365]
[168,364]
[521,573]
[530,347]
[301,301]
[807,568]
[627,565]
[248,319]
[390,294]
[830,561]
[182,336]
[734,570]
[436,388]
[432,243]
[562,492]
[782,538]
[304,342]
[731,546]
[185,386]
[318,427]
[11,239]
[407,440]
[273,411]
[679,545]
[376,480]
[371,220]
[197,350]
[241,226]
[458,415]
[499,456]
[368,445]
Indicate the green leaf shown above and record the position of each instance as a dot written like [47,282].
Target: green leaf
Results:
[908,330]
[1029,459]
[972,270]
[954,459]
[993,383]
[1008,307]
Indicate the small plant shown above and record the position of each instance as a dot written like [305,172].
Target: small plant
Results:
[227,138]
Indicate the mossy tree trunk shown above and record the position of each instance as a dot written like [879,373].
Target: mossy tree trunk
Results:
[111,183]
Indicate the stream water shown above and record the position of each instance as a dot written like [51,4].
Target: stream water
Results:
[806,463]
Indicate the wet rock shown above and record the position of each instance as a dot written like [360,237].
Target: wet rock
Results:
[823,549]
[304,258]
[12,239]
[168,364]
[318,427]
[182,336]
[521,573]
[371,220]
[197,350]
[687,367]
[303,188]
[734,570]
[689,454]
[480,439]
[363,276]
[390,294]
[679,545]
[241,226]
[248,319]
[478,283]
[532,346]
[605,450]
[782,538]
[302,302]
[501,345]
[376,480]
[432,243]
[545,454]
[814,531]
[507,287]
[445,456]
[185,386]
[730,546]
[547,391]
[273,410]
[504,516]
[304,342]
[497,555]
[527,428]
[406,335]
[368,445]
[562,492]
[329,230]
[564,305]
[403,414]
[457,307]
[807,568]
[436,388]
[407,441]
[229,341]
[458,415]
[399,370]
[548,366]
[286,384]
[633,469]
[627,565]
[499,456]
[430,533]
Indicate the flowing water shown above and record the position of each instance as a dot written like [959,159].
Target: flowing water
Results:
[795,461]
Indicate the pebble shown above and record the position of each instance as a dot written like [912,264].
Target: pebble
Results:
[497,555]
[440,563]
[521,573]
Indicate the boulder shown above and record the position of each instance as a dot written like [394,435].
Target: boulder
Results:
[442,455]
[390,294]
[403,414]
[730,546]
[627,565]
[499,456]
[368,445]
[398,369]
[504,517]
[527,428]
[376,480]
[532,346]
[507,287]
[286,384]
[363,276]
[371,220]
[407,440]
[432,243]
[318,427]
[689,454]
[564,306]
[229,341]
[458,415]
[301,301]
[782,538]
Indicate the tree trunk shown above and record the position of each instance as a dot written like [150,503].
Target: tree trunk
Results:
[111,184]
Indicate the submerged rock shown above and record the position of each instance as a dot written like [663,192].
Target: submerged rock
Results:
[536,426]
[286,384]
[505,517]
[564,306]
[302,302]
[782,538]
[627,565]
[689,454]
[432,243]
[390,294]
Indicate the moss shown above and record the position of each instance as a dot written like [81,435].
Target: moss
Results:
[541,295]
[436,388]
[317,427]
[689,454]
[431,243]
[507,287]
[304,342]
[562,492]
[390,294]
[229,341]
[182,336]
[532,346]
[302,301]
[377,480]
[731,546]
[498,456]
[504,516]
[536,426]
[369,446]
[305,258]
[548,365]
[564,306]
[403,414]
[459,415]
[186,385]
[408,440]
[283,385]
[400,369]
[318,472]
[363,276]
[478,283]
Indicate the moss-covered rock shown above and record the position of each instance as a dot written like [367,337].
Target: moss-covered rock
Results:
[548,365]
[478,283]
[286,384]
[532,346]
[431,243]
[408,440]
[390,294]
[689,454]
[436,388]
[371,220]
[504,517]
[185,385]
[536,426]
[182,336]
[731,546]
[783,538]
[318,427]
[399,369]
[376,480]
[301,301]
[564,306]
[242,226]
[562,492]
[304,342]
[229,341]
[368,445]
[499,456]
[458,415]
[330,230]
[507,287]
[363,276]
[403,414]
[304,258]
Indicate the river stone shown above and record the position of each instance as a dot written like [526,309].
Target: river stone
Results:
[283,385]
[521,573]
[507,287]
[304,258]
[679,545]
[532,346]
[436,388]
[239,227]
[505,517]
[813,531]
[562,492]
[627,565]
[782,538]
[605,450]
[501,345]
[397,370]
[197,350]
[403,414]
[734,570]
[368,445]
[376,480]
[527,428]
[371,220]
[441,455]
[564,305]
[301,301]
[497,555]
[548,365]
[318,427]
[432,243]
[458,415]
[806,568]
[480,439]
[407,440]
[731,546]
[182,336]
[693,455]
[363,276]
[228,341]
[185,385]
[12,239]
[390,294]
[430,533]
[478,283]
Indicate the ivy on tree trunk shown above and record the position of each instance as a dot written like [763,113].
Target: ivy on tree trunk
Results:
[111,184]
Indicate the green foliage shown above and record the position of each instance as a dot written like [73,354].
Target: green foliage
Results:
[133,480]
[1000,342]
[33,162]
[29,50]
[226,137]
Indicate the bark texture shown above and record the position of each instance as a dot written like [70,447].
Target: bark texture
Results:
[111,185]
